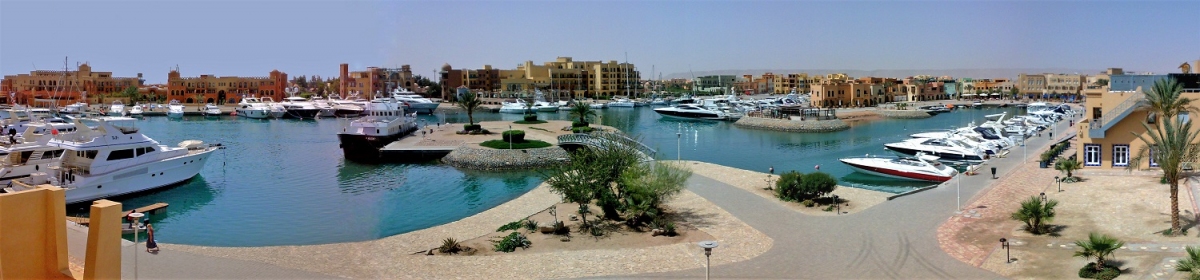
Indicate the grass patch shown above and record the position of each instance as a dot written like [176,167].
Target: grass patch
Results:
[527,144]
[530,122]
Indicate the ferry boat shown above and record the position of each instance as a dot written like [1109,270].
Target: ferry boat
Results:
[174,109]
[920,168]
[383,121]
[115,159]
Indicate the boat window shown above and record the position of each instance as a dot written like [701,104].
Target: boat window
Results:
[140,151]
[120,154]
[149,150]
[58,153]
[48,154]
[25,155]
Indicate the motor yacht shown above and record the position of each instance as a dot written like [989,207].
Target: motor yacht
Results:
[326,108]
[945,148]
[136,110]
[252,107]
[515,106]
[22,159]
[277,109]
[414,102]
[347,108]
[596,105]
[298,108]
[77,108]
[117,108]
[922,167]
[174,109]
[690,111]
[621,103]
[113,158]
[383,121]
[211,110]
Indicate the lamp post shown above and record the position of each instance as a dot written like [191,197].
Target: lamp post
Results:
[510,137]
[1056,180]
[708,246]
[1007,249]
[137,221]
[1043,196]
[838,204]
[678,146]
[958,194]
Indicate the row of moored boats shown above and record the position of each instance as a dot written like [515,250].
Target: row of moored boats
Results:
[293,107]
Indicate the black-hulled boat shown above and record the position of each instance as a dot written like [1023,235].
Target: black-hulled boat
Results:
[383,122]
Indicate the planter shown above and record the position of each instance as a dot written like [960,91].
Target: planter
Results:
[1044,164]
[472,127]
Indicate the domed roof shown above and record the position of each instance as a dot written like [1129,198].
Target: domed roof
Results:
[446,67]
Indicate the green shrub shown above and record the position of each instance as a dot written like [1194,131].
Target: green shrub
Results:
[808,203]
[788,185]
[582,129]
[515,136]
[510,226]
[501,144]
[512,242]
[584,209]
[531,225]
[1089,272]
[449,246]
[578,124]
[669,229]
[472,127]
[817,184]
[531,117]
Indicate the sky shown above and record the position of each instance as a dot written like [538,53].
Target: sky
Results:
[251,38]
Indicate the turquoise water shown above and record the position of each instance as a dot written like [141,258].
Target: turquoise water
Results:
[284,182]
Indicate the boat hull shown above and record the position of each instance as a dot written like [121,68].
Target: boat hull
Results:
[944,156]
[688,115]
[254,114]
[147,177]
[897,174]
[424,108]
[366,148]
[302,113]
[347,113]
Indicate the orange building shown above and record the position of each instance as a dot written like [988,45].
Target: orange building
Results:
[221,90]
[63,87]
[376,80]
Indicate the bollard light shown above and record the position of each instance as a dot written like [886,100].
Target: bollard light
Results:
[708,246]
[993,172]
[1007,253]
[1059,182]
[137,221]
[1043,196]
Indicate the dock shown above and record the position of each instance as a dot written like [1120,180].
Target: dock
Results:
[416,147]
[152,209]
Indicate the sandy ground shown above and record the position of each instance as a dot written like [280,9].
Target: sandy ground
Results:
[858,116]
[393,257]
[754,182]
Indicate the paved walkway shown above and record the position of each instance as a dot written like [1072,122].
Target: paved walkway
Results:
[897,239]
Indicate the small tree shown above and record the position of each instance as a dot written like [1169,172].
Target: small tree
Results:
[582,110]
[649,185]
[1191,263]
[1098,246]
[469,102]
[1035,214]
[577,180]
[788,186]
[817,184]
[1067,165]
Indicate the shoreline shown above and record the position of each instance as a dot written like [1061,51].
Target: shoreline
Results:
[391,257]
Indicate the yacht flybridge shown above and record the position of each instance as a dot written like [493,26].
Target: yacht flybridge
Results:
[112,158]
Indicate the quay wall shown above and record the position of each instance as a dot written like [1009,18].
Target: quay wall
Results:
[904,114]
[792,125]
[479,158]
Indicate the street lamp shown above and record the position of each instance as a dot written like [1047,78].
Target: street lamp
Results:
[1043,195]
[708,246]
[678,146]
[510,137]
[1056,180]
[137,221]
[1007,249]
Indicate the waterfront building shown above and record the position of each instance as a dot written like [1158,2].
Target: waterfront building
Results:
[226,89]
[840,92]
[376,80]
[784,84]
[564,78]
[950,87]
[1111,125]
[712,82]
[1031,84]
[63,87]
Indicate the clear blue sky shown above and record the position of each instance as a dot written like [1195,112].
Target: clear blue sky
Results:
[250,38]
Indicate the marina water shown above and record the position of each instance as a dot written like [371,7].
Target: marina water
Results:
[284,182]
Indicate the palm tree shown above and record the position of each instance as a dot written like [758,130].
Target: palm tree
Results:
[469,102]
[1098,246]
[1068,165]
[1173,140]
[1191,264]
[582,110]
[1035,214]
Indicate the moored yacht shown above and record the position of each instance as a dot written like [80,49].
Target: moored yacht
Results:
[325,107]
[948,149]
[383,121]
[621,103]
[77,108]
[920,168]
[252,107]
[117,108]
[298,108]
[115,159]
[516,106]
[20,160]
[690,111]
[413,102]
[212,110]
[277,109]
[174,109]
[136,110]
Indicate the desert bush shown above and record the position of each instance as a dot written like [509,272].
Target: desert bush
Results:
[788,186]
[531,225]
[669,228]
[472,127]
[449,246]
[510,226]
[561,229]
[817,184]
[808,203]
[512,242]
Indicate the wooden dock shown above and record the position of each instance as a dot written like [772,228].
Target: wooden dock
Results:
[152,209]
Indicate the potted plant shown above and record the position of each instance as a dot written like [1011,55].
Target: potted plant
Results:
[1046,157]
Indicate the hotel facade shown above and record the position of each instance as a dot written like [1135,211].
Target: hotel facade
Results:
[376,80]
[222,90]
[564,78]
[63,87]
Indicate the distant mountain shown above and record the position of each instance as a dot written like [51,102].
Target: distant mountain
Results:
[897,73]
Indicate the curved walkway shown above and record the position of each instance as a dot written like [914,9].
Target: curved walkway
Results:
[897,239]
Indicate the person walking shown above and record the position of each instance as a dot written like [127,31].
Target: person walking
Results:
[151,244]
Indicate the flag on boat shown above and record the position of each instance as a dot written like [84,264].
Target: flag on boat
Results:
[54,130]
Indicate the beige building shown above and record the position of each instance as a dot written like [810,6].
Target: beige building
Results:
[563,77]
[1032,83]
[376,80]
[63,87]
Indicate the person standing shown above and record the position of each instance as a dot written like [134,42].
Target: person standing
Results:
[151,244]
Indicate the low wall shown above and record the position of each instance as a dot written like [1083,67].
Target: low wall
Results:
[792,125]
[479,158]
[904,114]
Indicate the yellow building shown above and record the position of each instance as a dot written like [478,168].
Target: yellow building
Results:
[562,77]
[33,237]
[1113,120]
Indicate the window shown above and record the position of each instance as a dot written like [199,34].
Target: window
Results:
[149,150]
[1120,155]
[1091,155]
[120,154]
[140,151]
[1183,117]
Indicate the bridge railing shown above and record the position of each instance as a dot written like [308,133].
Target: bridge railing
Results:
[596,138]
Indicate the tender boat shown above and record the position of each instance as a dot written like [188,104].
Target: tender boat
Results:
[136,110]
[298,108]
[174,109]
[252,107]
[413,102]
[212,110]
[114,159]
[920,168]
[948,149]
[690,111]
[383,122]
[117,108]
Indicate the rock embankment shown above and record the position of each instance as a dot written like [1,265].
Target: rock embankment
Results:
[904,114]
[792,125]
[478,158]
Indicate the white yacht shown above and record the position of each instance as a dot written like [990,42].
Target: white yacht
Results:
[277,109]
[174,109]
[690,111]
[948,149]
[22,159]
[920,168]
[298,108]
[77,108]
[383,121]
[326,108]
[413,102]
[136,110]
[541,105]
[117,108]
[346,108]
[252,107]
[516,106]
[212,110]
[115,159]
[621,103]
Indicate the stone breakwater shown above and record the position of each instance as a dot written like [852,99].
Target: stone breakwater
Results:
[792,125]
[904,114]
[478,158]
